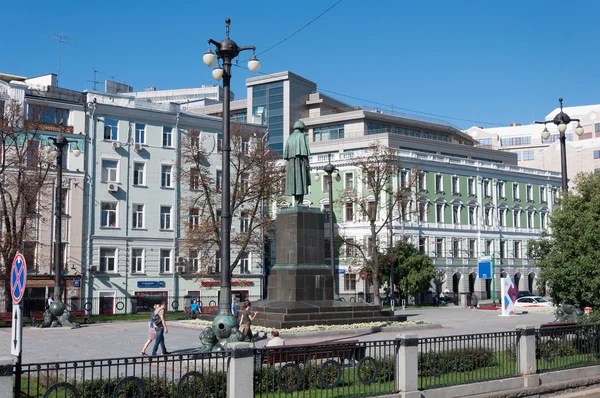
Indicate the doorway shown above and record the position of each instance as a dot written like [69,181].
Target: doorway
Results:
[530,280]
[107,305]
[472,278]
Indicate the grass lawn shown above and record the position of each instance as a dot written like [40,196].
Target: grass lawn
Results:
[567,362]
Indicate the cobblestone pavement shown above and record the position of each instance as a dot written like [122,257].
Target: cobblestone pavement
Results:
[125,339]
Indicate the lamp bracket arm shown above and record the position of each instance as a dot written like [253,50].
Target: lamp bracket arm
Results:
[244,48]
[216,43]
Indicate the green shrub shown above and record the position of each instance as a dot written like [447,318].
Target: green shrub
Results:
[456,360]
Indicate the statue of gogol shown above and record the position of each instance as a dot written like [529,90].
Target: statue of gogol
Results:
[297,171]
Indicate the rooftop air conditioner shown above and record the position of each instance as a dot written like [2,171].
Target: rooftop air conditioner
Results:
[113,188]
[137,147]
[116,145]
[181,269]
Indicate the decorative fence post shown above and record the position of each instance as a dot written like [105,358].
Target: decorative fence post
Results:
[526,356]
[407,366]
[240,376]
[6,377]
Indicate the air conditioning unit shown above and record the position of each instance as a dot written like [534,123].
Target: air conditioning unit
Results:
[180,260]
[116,145]
[93,269]
[181,269]
[113,188]
[137,147]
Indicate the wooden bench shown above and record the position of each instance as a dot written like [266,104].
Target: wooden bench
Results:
[343,349]
[39,316]
[6,317]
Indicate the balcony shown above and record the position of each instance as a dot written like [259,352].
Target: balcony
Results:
[57,128]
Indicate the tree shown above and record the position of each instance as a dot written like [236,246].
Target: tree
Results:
[255,182]
[569,255]
[374,201]
[413,270]
[24,182]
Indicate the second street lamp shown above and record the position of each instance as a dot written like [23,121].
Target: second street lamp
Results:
[562,120]
[226,51]
[331,170]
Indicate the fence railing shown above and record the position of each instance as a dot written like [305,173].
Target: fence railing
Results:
[352,369]
[451,360]
[187,375]
[566,347]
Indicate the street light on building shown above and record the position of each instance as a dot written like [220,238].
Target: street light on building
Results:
[332,172]
[60,142]
[226,51]
[562,120]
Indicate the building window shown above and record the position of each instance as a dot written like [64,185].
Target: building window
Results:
[140,133]
[421,183]
[109,170]
[372,210]
[325,183]
[349,211]
[65,203]
[47,115]
[516,218]
[456,247]
[194,261]
[108,214]
[194,218]
[245,263]
[111,130]
[543,198]
[439,247]
[439,212]
[597,127]
[439,183]
[529,193]
[472,215]
[218,180]
[165,217]
[455,185]
[530,219]
[487,215]
[349,282]
[371,179]
[327,133]
[138,216]
[139,173]
[487,191]
[165,261]
[502,249]
[349,181]
[218,261]
[350,248]
[517,249]
[166,175]
[422,212]
[167,138]
[528,155]
[456,214]
[245,222]
[501,190]
[543,216]
[326,213]
[471,186]
[515,191]
[194,179]
[108,260]
[404,179]
[326,248]
[489,247]
[245,181]
[423,244]
[472,248]
[501,217]
[137,261]
[404,211]
[515,141]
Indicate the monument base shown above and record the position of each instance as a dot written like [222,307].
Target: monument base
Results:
[288,314]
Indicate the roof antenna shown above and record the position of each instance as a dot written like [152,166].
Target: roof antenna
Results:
[62,38]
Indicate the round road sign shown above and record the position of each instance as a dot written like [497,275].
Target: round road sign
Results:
[363,276]
[18,278]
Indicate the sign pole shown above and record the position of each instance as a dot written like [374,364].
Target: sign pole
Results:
[494,278]
[16,344]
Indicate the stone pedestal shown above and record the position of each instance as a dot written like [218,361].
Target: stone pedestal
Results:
[300,288]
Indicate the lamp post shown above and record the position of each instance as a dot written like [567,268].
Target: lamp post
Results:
[226,51]
[562,120]
[60,142]
[330,169]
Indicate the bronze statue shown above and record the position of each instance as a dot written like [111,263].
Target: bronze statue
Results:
[297,171]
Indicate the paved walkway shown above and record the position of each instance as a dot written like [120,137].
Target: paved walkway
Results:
[125,339]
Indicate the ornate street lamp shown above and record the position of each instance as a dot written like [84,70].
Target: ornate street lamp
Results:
[332,172]
[60,142]
[226,51]
[562,120]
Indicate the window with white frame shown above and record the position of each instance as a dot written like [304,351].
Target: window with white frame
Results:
[166,176]
[110,170]
[423,245]
[218,261]
[471,186]
[502,248]
[245,222]
[194,261]
[404,178]
[422,205]
[218,180]
[455,185]
[543,218]
[111,130]
[137,261]
[439,212]
[472,248]
[167,137]
[194,179]
[371,210]
[165,217]
[245,263]
[350,250]
[517,249]
[326,213]
[529,193]
[140,133]
[439,183]
[488,216]
[543,198]
[348,211]
[456,247]
[349,181]
[501,217]
[439,247]
[487,188]
[139,173]
[138,215]
[456,214]
[349,282]
[515,190]
[371,179]
[245,181]
[501,190]
[108,259]
[489,247]
[108,214]
[472,215]
[530,215]
[325,183]
[165,261]
[421,183]
[194,218]
[65,197]
[405,211]
[516,218]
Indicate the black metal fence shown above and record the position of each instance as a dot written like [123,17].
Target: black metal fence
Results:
[342,369]
[567,346]
[463,359]
[169,376]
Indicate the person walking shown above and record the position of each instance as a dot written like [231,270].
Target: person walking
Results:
[246,322]
[160,326]
[151,331]
[49,300]
[234,308]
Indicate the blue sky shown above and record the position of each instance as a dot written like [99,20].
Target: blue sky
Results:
[488,63]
